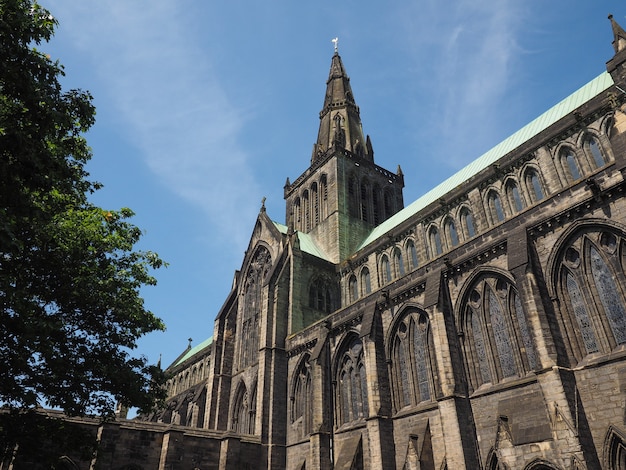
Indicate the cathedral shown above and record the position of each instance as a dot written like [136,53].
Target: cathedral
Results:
[482,326]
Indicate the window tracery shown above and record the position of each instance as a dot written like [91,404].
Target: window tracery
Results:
[322,295]
[411,364]
[301,403]
[252,303]
[351,382]
[497,342]
[244,411]
[592,288]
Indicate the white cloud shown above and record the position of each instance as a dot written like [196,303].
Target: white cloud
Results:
[470,48]
[170,102]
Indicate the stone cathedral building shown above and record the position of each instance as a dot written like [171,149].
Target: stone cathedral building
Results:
[482,326]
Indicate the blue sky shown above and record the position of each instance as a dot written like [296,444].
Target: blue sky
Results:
[205,107]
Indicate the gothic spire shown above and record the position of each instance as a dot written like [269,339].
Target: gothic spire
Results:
[340,122]
[619,36]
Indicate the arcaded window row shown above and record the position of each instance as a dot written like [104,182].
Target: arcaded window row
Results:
[497,335]
[574,159]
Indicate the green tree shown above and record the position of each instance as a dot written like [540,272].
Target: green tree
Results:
[70,277]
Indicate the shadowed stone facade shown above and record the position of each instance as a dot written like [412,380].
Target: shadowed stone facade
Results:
[482,326]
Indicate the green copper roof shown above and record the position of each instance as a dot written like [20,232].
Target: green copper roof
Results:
[195,350]
[306,242]
[569,104]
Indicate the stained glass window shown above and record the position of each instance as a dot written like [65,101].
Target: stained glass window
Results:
[596,152]
[501,336]
[525,332]
[412,254]
[479,345]
[609,296]
[572,164]
[352,382]
[412,372]
[581,315]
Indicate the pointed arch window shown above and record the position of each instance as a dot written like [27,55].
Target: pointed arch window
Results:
[498,342]
[515,198]
[495,207]
[353,196]
[252,307]
[321,295]
[388,202]
[467,221]
[364,202]
[412,254]
[385,270]
[307,210]
[435,241]
[354,290]
[615,449]
[366,283]
[533,183]
[452,232]
[244,411]
[297,214]
[398,261]
[412,370]
[301,399]
[570,163]
[591,284]
[351,388]
[592,146]
[324,197]
[315,205]
[376,209]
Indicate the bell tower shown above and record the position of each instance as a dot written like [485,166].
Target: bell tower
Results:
[343,194]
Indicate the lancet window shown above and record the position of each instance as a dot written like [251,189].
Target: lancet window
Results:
[322,294]
[252,306]
[376,206]
[412,254]
[515,197]
[301,399]
[453,235]
[353,288]
[467,222]
[435,241]
[497,341]
[385,268]
[398,262]
[324,197]
[593,291]
[495,207]
[412,362]
[534,186]
[593,148]
[244,411]
[366,282]
[570,164]
[351,388]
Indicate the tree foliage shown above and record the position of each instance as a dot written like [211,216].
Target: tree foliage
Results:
[71,311]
